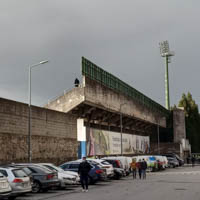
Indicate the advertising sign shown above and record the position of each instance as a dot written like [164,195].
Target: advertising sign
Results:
[101,142]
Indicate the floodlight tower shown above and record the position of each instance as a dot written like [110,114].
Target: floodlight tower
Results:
[165,52]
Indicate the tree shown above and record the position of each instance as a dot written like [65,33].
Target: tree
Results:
[192,119]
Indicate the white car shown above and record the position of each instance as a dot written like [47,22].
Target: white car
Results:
[162,160]
[125,161]
[104,165]
[18,180]
[5,189]
[65,177]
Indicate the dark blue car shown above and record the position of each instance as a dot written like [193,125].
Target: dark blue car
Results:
[95,174]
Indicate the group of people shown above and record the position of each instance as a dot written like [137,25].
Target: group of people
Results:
[139,167]
[85,167]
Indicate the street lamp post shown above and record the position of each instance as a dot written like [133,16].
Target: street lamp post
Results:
[121,127]
[29,108]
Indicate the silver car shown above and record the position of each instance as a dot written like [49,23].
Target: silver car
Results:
[18,180]
[65,177]
[5,189]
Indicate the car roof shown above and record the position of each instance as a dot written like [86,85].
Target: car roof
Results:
[46,164]
[72,162]
[8,168]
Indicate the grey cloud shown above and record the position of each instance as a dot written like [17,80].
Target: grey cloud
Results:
[120,36]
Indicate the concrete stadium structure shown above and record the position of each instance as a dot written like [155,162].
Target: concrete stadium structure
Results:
[101,102]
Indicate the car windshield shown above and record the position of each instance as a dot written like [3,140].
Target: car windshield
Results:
[105,163]
[54,168]
[19,173]
[27,171]
[152,158]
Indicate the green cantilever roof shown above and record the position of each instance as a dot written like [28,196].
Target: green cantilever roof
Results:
[96,73]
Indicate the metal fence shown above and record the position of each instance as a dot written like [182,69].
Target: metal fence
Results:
[94,72]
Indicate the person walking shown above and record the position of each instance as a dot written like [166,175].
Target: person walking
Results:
[83,171]
[144,168]
[188,160]
[133,168]
[139,165]
[193,161]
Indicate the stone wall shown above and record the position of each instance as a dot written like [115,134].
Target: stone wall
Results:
[54,134]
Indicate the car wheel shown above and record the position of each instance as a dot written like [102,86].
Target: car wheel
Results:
[36,187]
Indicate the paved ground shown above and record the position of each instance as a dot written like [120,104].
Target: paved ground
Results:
[174,184]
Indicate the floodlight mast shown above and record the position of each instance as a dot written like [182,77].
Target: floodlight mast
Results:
[165,52]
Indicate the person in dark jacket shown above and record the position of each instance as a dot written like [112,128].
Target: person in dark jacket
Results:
[139,166]
[193,161]
[83,171]
[76,82]
[143,168]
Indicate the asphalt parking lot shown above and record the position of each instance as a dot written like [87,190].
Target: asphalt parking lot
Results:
[179,183]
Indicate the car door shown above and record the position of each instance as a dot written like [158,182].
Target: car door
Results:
[74,167]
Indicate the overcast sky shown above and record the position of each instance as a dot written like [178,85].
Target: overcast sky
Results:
[121,36]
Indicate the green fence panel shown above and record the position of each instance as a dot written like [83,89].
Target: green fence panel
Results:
[96,73]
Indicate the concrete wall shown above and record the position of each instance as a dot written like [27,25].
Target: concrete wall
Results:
[67,101]
[179,125]
[165,148]
[111,100]
[54,137]
[94,93]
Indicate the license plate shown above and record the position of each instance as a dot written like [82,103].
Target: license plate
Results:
[3,185]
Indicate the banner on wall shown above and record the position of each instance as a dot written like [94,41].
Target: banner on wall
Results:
[101,142]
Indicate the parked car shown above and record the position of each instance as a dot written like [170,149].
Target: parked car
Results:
[43,179]
[95,174]
[64,177]
[125,161]
[173,155]
[107,167]
[25,169]
[5,189]
[18,180]
[161,162]
[117,166]
[172,162]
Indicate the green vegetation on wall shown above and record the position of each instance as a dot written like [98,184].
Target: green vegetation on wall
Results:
[192,119]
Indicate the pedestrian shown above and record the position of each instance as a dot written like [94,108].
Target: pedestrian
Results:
[193,161]
[76,82]
[144,168]
[188,160]
[134,168]
[139,168]
[83,171]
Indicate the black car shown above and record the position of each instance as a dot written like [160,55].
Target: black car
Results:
[43,178]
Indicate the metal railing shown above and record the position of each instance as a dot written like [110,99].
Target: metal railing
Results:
[96,73]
